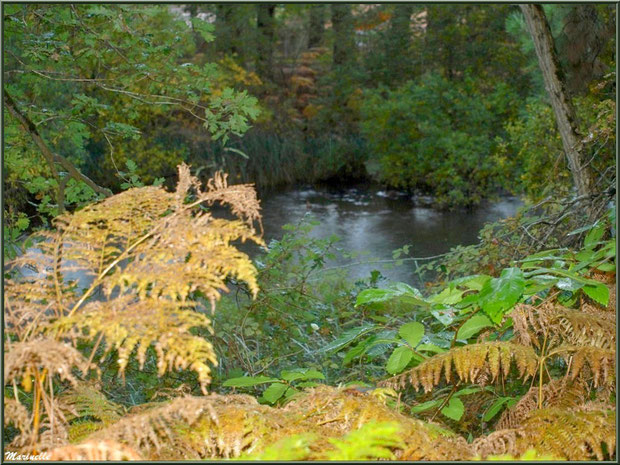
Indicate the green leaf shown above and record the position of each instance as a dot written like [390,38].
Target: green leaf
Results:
[467,391]
[293,375]
[347,337]
[425,406]
[430,348]
[500,294]
[401,291]
[447,297]
[274,392]
[399,359]
[475,282]
[245,381]
[595,235]
[204,28]
[598,292]
[412,333]
[307,384]
[606,267]
[495,408]
[454,409]
[473,326]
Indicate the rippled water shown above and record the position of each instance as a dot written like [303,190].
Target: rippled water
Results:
[379,222]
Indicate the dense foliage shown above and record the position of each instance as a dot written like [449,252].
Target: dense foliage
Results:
[139,326]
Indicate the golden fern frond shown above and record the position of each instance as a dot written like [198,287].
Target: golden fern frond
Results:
[187,423]
[193,253]
[88,401]
[473,363]
[332,412]
[600,361]
[95,451]
[574,435]
[580,328]
[147,250]
[128,324]
[560,325]
[561,393]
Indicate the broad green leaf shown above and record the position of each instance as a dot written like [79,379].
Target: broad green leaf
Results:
[475,282]
[293,375]
[245,381]
[598,292]
[467,391]
[454,409]
[445,317]
[595,235]
[606,267]
[412,333]
[307,384]
[399,359]
[500,294]
[495,407]
[401,291]
[473,326]
[274,392]
[568,284]
[356,351]
[425,406]
[449,296]
[347,337]
[430,348]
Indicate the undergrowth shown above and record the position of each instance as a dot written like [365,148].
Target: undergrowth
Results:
[514,364]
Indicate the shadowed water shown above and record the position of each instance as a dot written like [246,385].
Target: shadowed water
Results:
[379,222]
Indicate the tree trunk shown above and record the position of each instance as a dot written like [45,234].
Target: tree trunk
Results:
[344,34]
[398,41]
[317,25]
[265,28]
[564,112]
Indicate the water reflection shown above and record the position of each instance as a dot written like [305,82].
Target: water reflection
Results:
[379,222]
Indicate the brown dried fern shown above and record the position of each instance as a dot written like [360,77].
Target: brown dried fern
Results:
[560,393]
[93,451]
[473,363]
[573,435]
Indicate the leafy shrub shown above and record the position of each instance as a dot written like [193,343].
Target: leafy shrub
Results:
[436,135]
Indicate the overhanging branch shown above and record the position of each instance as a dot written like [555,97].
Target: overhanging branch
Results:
[51,157]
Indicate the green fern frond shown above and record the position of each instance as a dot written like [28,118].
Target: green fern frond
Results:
[88,401]
[372,441]
[473,363]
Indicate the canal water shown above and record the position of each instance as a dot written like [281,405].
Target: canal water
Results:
[374,223]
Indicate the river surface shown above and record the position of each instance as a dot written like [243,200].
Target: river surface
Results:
[374,223]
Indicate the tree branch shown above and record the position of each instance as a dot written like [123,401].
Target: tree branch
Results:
[49,156]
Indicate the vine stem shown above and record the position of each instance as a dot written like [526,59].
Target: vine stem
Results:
[446,400]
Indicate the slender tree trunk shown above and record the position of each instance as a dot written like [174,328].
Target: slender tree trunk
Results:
[317,25]
[399,40]
[265,28]
[564,112]
[344,34]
